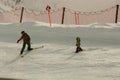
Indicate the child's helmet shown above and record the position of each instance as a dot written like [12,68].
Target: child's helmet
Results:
[77,38]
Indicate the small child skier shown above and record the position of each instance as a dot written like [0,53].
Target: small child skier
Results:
[78,49]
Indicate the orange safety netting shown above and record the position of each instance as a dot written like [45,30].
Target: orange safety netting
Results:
[70,17]
[119,15]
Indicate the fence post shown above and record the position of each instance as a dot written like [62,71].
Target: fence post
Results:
[48,8]
[63,15]
[78,18]
[21,14]
[75,18]
[117,9]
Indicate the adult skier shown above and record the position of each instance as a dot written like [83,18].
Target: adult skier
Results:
[26,40]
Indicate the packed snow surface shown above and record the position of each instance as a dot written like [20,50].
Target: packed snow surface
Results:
[57,60]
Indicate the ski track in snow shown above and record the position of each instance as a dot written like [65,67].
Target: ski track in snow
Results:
[54,60]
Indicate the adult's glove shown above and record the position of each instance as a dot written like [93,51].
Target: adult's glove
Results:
[18,41]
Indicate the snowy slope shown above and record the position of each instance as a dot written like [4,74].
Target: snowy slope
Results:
[57,60]
[77,5]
